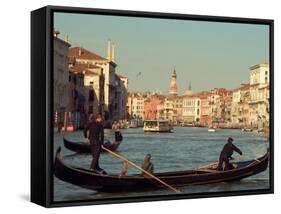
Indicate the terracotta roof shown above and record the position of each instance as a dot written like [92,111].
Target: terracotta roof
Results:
[82,67]
[245,86]
[265,64]
[85,54]
[256,84]
[236,89]
[88,71]
[191,96]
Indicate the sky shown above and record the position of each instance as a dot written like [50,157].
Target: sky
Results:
[207,54]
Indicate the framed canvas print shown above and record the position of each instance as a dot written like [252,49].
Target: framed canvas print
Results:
[138,106]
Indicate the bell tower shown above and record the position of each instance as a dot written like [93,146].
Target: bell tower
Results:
[189,90]
[173,84]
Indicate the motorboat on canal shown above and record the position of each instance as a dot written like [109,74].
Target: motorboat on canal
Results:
[211,129]
[83,147]
[157,126]
[89,179]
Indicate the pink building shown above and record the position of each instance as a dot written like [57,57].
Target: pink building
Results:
[150,107]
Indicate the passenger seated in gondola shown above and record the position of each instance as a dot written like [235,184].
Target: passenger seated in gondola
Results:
[116,127]
[226,154]
[124,169]
[147,164]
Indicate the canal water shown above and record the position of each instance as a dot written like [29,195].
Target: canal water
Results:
[185,148]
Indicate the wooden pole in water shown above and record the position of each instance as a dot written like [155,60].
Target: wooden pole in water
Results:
[139,168]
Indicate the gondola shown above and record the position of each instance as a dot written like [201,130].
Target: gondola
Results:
[82,147]
[113,183]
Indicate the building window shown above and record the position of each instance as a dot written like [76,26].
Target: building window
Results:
[266,72]
[91,82]
[265,79]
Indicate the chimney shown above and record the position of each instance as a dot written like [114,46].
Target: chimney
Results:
[113,53]
[108,57]
[56,33]
[66,38]
[79,51]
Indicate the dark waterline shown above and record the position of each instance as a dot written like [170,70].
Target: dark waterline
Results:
[183,149]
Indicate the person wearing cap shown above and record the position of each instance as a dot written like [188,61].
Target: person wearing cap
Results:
[226,154]
[96,138]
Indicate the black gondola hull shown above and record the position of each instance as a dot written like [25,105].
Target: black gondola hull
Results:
[113,183]
[82,147]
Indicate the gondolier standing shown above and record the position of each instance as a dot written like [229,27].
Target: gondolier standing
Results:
[226,154]
[96,138]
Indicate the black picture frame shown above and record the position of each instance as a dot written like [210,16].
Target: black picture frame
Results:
[42,155]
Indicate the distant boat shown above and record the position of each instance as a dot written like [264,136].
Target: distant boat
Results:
[246,130]
[133,124]
[185,124]
[157,126]
[211,130]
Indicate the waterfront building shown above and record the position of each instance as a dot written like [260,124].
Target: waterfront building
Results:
[191,109]
[93,88]
[112,85]
[150,106]
[243,105]
[177,106]
[173,84]
[77,97]
[205,116]
[236,97]
[215,108]
[120,105]
[217,105]
[168,111]
[259,96]
[240,106]
[129,105]
[137,106]
[61,82]
[226,109]
[160,111]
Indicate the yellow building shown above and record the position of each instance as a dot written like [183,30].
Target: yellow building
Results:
[112,109]
[191,109]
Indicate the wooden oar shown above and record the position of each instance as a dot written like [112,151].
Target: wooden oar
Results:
[139,168]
